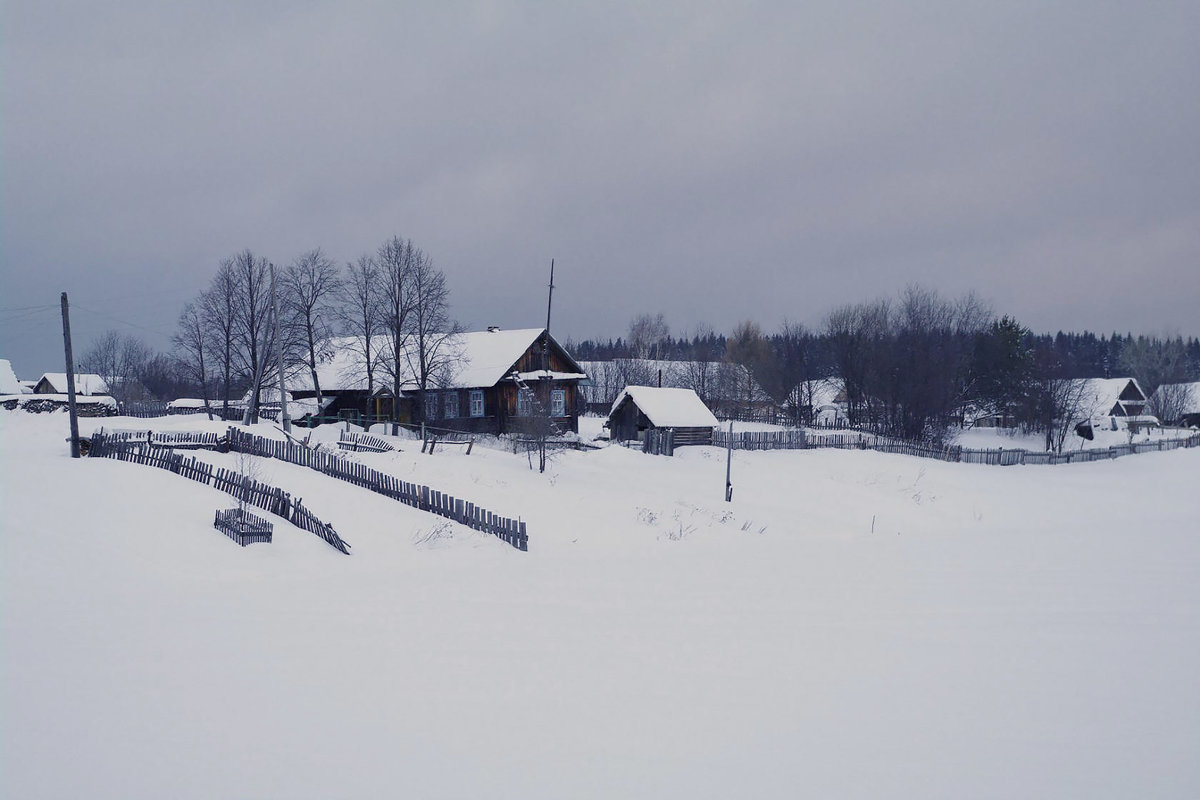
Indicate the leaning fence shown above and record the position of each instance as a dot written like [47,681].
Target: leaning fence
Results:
[507,529]
[244,488]
[1003,457]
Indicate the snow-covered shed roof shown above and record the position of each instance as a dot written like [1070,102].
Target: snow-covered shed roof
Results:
[86,383]
[669,408]
[187,402]
[827,391]
[8,379]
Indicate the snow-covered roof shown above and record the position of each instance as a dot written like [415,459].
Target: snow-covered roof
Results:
[1100,395]
[489,356]
[480,359]
[825,392]
[187,402]
[669,408]
[86,383]
[8,379]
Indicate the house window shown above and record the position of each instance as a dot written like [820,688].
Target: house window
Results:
[558,403]
[524,403]
[431,405]
[451,405]
[476,402]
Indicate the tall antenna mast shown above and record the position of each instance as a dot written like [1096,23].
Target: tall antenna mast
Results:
[546,341]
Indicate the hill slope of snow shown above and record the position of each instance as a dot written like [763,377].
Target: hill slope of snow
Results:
[854,624]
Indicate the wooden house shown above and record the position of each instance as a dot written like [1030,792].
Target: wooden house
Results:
[1112,403]
[641,408]
[493,383]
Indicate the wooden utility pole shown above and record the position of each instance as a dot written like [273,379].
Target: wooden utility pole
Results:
[548,426]
[729,466]
[66,316]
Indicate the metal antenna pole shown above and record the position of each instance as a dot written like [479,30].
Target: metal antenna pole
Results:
[66,318]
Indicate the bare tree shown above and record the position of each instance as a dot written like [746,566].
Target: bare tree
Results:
[749,349]
[104,357]
[120,359]
[309,286]
[361,311]
[396,260]
[432,350]
[699,371]
[252,311]
[647,335]
[218,310]
[795,371]
[1171,401]
[191,346]
[1056,401]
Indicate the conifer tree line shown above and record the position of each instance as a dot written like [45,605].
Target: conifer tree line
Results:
[911,365]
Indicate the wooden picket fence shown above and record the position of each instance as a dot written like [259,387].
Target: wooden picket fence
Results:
[509,530]
[1003,457]
[175,440]
[242,526]
[354,442]
[246,489]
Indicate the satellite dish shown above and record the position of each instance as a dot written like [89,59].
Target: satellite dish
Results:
[1084,430]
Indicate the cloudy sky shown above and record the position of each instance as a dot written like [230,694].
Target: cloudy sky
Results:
[713,161]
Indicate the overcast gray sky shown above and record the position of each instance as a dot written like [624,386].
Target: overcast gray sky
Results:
[715,162]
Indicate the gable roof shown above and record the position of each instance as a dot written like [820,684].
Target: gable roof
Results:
[489,356]
[482,358]
[1099,396]
[85,383]
[8,379]
[668,408]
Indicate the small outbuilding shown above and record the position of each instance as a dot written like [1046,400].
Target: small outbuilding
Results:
[86,384]
[641,408]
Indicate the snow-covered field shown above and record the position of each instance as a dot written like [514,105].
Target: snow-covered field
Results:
[854,624]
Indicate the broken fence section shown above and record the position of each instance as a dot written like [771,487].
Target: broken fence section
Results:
[244,488]
[509,530]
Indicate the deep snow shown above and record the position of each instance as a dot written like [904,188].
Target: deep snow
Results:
[854,624]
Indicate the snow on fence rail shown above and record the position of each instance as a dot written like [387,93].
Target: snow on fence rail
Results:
[800,440]
[420,497]
[187,440]
[246,489]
